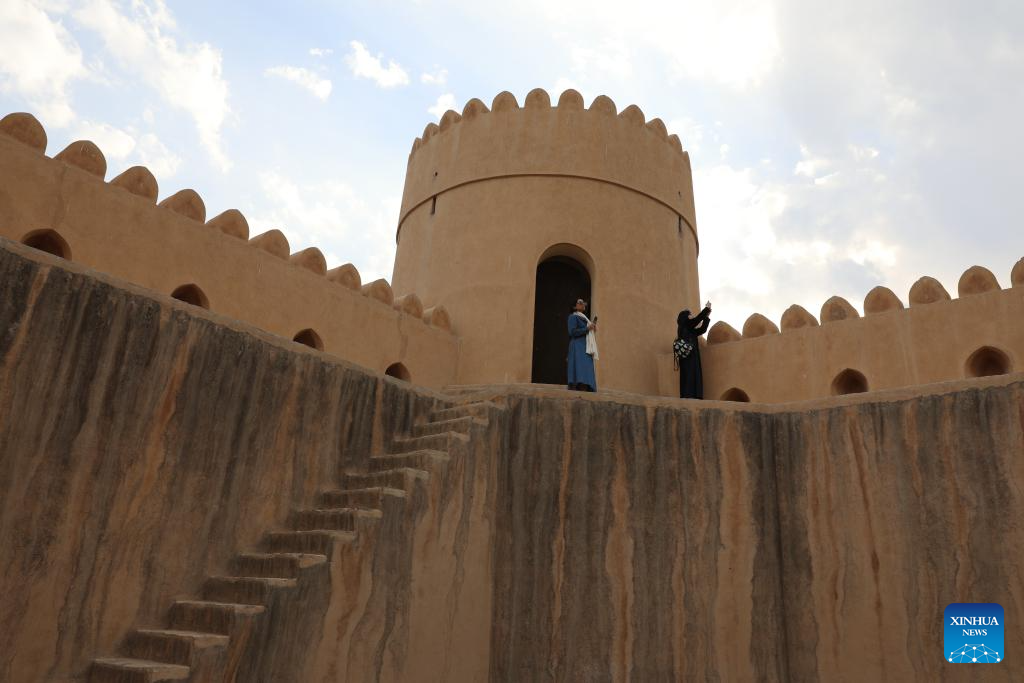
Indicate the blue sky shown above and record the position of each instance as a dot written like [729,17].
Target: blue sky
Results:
[835,146]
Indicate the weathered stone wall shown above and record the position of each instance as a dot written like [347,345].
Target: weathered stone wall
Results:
[572,537]
[144,443]
[645,541]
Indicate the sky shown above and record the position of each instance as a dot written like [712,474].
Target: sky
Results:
[835,145]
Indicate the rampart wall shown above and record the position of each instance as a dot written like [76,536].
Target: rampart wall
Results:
[570,537]
[64,204]
[936,338]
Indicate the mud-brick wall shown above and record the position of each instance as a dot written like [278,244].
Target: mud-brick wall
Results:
[141,447]
[890,511]
[649,542]
[642,544]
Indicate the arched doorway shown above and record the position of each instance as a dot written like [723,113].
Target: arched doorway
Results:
[561,279]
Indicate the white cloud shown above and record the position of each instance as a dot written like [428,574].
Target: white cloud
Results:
[610,59]
[365,65]
[810,165]
[332,216]
[189,77]
[863,153]
[129,147]
[321,51]
[732,42]
[152,154]
[317,86]
[438,77]
[443,104]
[113,142]
[38,60]
[690,133]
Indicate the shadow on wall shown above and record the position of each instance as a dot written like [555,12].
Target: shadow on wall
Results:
[849,381]
[398,371]
[986,362]
[49,241]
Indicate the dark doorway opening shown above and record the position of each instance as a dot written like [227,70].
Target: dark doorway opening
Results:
[560,281]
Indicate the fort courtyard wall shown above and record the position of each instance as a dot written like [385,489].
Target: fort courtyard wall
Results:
[935,339]
[117,227]
[491,193]
[169,504]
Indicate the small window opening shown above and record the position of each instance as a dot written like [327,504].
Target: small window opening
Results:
[737,395]
[398,371]
[433,205]
[49,241]
[680,226]
[849,381]
[987,362]
[309,338]
[191,294]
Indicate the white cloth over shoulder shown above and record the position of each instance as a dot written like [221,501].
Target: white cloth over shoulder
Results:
[591,338]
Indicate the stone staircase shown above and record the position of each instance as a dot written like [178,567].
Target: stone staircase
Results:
[204,638]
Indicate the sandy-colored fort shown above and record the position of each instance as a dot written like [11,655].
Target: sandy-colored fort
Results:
[221,461]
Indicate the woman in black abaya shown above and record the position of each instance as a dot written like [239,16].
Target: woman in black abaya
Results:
[691,380]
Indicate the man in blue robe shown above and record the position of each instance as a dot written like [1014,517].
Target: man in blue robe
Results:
[581,358]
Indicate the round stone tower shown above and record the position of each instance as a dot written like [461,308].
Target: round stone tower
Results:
[510,214]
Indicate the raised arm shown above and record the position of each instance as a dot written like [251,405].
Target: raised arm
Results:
[702,321]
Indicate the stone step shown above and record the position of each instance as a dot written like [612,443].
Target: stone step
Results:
[438,442]
[367,499]
[319,542]
[423,459]
[402,478]
[462,425]
[211,617]
[127,670]
[171,646]
[479,409]
[246,590]
[337,519]
[280,565]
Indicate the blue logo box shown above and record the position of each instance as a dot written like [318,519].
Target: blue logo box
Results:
[973,633]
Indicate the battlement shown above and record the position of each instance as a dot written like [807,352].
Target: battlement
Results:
[64,206]
[538,139]
[933,338]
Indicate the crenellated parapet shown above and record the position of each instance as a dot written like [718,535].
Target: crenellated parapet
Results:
[933,337]
[495,191]
[540,138]
[122,227]
[926,290]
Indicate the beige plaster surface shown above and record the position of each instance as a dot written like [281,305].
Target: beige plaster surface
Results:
[126,235]
[489,196]
[919,345]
